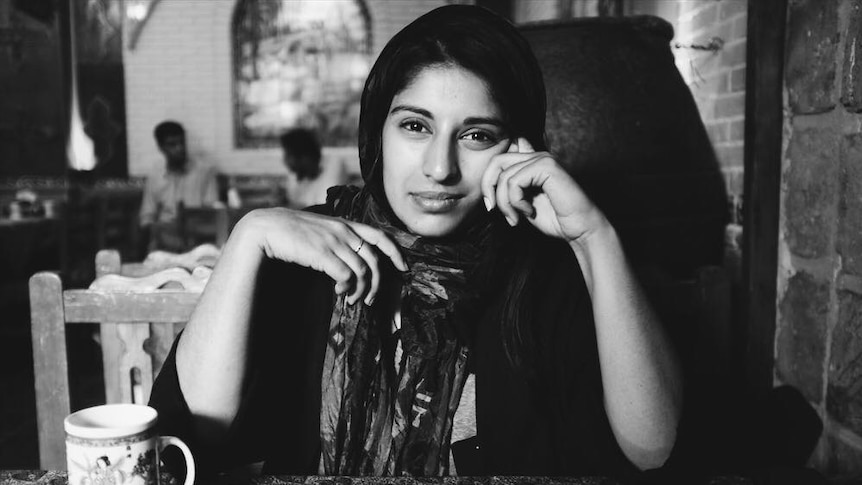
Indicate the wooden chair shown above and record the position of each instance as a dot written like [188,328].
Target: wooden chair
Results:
[199,225]
[195,226]
[138,319]
[108,261]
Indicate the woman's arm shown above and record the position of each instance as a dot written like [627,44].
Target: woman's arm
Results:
[212,356]
[640,374]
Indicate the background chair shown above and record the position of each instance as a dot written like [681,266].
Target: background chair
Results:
[195,226]
[625,125]
[199,225]
[109,261]
[623,122]
[139,314]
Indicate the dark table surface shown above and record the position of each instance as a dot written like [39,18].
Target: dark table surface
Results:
[41,477]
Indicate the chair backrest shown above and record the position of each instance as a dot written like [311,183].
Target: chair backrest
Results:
[138,319]
[195,226]
[109,261]
[198,225]
[623,122]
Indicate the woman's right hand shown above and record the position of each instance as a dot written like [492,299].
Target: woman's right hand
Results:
[325,244]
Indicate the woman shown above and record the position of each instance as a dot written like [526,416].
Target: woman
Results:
[482,307]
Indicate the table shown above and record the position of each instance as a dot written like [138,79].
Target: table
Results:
[41,477]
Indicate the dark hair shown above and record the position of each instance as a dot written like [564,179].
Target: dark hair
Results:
[304,152]
[166,129]
[490,47]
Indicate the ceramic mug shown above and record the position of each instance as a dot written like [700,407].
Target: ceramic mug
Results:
[118,444]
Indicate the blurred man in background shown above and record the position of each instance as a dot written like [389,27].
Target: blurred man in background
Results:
[177,181]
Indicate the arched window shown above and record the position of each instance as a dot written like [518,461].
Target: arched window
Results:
[299,63]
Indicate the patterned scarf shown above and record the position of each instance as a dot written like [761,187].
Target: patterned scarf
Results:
[379,417]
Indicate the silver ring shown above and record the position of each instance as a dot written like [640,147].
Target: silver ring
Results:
[361,243]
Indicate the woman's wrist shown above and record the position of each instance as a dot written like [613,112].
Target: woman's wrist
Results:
[596,248]
[600,233]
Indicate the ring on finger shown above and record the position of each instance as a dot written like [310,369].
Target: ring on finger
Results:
[361,243]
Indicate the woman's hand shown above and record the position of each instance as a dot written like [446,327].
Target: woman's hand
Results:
[525,183]
[349,252]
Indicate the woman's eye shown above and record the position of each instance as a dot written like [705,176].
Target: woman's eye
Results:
[481,139]
[413,126]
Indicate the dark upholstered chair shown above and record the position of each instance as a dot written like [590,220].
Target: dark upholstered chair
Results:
[625,125]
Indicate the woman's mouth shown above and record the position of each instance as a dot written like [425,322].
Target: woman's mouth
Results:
[436,202]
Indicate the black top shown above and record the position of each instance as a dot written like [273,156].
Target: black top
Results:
[554,427]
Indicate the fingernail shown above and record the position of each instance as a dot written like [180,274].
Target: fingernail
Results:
[487,203]
[369,300]
[511,221]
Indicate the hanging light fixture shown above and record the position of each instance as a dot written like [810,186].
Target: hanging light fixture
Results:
[136,13]
[80,150]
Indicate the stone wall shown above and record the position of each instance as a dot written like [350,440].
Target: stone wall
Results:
[818,343]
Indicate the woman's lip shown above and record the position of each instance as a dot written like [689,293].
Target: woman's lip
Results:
[435,202]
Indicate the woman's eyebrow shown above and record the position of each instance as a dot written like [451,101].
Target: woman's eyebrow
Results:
[472,120]
[414,109]
[484,120]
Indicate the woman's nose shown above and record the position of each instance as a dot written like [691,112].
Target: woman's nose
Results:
[441,161]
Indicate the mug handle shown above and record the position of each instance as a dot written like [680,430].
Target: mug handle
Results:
[165,441]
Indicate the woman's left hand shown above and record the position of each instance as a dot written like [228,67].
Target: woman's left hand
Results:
[529,184]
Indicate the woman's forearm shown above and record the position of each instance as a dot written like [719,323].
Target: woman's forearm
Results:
[640,373]
[212,354]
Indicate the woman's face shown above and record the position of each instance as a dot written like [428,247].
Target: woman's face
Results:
[438,138]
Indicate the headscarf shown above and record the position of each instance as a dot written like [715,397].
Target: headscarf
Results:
[379,416]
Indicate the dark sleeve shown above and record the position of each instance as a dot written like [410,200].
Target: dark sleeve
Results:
[547,417]
[174,414]
[584,443]
[278,411]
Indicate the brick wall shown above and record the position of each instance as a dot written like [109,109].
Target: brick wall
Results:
[181,69]
[717,77]
[819,329]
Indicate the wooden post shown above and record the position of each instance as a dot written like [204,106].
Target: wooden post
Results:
[764,78]
[108,262]
[50,369]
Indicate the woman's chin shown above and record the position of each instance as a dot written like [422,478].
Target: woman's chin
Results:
[436,225]
[445,224]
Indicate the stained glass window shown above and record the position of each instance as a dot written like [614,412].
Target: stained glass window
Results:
[299,63]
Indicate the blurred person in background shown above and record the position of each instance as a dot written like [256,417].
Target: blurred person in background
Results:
[176,180]
[307,178]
